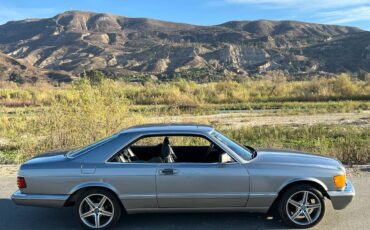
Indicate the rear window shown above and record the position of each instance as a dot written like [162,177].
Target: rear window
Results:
[87,148]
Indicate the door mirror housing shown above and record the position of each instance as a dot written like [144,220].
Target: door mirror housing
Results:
[225,158]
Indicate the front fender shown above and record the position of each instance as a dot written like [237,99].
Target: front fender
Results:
[303,179]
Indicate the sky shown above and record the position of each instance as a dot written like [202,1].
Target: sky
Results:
[201,12]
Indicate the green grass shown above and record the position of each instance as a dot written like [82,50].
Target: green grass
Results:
[349,144]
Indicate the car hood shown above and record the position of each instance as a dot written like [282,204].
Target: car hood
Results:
[288,157]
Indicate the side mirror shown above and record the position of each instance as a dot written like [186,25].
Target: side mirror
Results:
[225,158]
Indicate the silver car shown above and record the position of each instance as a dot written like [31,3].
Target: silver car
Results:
[182,167]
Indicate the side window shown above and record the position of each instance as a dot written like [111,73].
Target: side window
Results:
[171,149]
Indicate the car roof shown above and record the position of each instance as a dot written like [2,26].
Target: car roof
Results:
[170,127]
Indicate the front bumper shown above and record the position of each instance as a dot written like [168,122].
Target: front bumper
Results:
[340,199]
[42,200]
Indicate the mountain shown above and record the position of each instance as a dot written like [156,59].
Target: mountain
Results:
[75,41]
[11,68]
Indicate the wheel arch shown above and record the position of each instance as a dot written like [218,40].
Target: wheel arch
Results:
[312,181]
[319,185]
[79,189]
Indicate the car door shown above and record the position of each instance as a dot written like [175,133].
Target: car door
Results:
[202,185]
[135,183]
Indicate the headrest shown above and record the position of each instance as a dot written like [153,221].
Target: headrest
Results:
[166,149]
[166,141]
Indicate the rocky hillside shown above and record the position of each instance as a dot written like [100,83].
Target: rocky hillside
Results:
[20,72]
[75,41]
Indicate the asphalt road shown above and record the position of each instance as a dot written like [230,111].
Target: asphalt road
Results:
[12,217]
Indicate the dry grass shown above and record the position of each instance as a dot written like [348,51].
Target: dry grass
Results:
[74,115]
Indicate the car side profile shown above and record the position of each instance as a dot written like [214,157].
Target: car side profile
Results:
[182,167]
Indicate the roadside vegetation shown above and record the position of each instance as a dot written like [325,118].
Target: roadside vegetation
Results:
[349,144]
[40,117]
[188,94]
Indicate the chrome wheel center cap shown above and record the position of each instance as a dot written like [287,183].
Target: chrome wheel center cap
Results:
[96,211]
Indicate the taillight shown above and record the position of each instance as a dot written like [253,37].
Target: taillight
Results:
[21,182]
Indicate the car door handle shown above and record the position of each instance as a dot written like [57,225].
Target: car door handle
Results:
[168,171]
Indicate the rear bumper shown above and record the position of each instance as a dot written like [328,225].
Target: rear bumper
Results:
[42,200]
[340,199]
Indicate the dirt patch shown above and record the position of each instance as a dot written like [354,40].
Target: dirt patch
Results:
[252,119]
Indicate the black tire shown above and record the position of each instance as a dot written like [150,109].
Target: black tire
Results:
[295,192]
[110,207]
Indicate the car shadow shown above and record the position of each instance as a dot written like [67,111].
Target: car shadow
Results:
[22,217]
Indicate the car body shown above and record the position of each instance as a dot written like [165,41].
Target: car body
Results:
[239,183]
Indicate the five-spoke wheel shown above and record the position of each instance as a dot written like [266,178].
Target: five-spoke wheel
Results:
[97,209]
[301,206]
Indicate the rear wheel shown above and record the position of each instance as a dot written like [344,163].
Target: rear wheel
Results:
[301,206]
[97,209]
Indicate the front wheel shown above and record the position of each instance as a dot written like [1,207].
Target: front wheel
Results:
[97,209]
[301,206]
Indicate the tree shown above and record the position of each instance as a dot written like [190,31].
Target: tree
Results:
[17,78]
[94,76]
[34,80]
[363,75]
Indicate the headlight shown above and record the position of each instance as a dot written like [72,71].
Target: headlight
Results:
[340,181]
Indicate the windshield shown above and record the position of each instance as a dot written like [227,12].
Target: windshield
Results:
[87,148]
[236,147]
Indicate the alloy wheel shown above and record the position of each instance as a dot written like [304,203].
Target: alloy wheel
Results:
[303,208]
[96,211]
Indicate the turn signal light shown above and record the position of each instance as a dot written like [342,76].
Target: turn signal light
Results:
[21,182]
[340,181]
